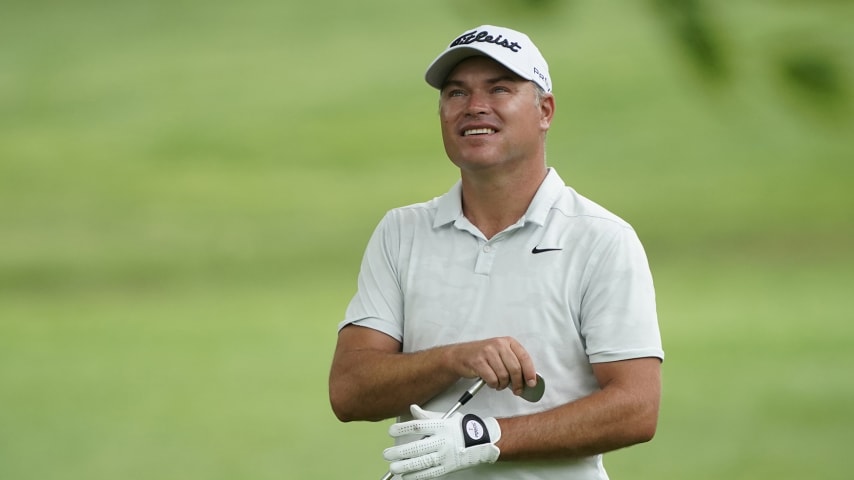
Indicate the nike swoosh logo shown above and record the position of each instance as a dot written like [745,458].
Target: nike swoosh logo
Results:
[541,250]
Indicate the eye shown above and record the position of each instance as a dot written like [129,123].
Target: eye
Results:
[455,93]
[500,89]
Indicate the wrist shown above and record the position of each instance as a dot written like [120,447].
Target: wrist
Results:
[479,431]
[502,442]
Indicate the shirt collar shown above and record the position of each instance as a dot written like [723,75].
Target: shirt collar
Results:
[450,205]
[545,198]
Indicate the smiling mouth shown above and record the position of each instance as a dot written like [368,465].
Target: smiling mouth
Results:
[478,131]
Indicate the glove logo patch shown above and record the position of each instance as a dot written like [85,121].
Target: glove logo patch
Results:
[474,431]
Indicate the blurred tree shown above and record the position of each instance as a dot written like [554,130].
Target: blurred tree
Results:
[690,25]
[808,70]
[814,73]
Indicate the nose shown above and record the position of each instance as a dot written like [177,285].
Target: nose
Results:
[477,103]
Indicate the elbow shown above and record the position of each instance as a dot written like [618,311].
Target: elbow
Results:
[341,395]
[637,433]
[345,415]
[646,426]
[341,414]
[348,408]
[646,432]
[342,409]
[347,412]
[638,425]
[646,419]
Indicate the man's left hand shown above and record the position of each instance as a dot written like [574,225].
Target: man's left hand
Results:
[458,442]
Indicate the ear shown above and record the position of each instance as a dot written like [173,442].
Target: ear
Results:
[547,111]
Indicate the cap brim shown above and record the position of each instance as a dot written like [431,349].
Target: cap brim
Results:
[438,71]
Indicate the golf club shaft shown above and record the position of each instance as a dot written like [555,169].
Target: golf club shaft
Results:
[462,401]
[465,398]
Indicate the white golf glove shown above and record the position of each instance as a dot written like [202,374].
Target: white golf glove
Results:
[455,443]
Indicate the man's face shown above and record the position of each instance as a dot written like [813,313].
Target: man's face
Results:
[491,117]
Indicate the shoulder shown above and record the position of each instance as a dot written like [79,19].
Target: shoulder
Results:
[571,205]
[438,211]
[404,224]
[413,214]
[561,203]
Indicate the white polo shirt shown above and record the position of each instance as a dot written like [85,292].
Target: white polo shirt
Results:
[569,281]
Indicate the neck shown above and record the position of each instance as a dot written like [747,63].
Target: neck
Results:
[494,202]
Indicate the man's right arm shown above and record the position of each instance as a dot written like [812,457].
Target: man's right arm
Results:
[371,379]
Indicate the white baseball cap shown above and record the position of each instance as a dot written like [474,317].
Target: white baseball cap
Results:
[508,47]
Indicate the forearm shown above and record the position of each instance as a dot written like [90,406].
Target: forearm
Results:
[586,427]
[374,382]
[621,414]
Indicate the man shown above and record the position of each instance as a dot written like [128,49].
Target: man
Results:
[508,274]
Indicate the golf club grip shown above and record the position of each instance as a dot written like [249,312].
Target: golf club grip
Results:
[471,392]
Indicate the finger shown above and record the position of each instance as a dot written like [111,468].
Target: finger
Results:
[489,359]
[526,362]
[498,372]
[499,356]
[414,449]
[417,464]
[507,364]
[515,377]
[434,472]
[526,373]
[480,365]
[420,414]
[416,427]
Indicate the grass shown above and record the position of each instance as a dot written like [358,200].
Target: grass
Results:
[186,190]
[754,380]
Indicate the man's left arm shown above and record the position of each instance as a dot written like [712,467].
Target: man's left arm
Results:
[623,412]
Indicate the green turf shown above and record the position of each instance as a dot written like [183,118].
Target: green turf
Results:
[186,189]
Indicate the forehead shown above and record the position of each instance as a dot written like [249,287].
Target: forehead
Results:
[479,68]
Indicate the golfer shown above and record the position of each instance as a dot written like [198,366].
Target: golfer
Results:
[509,274]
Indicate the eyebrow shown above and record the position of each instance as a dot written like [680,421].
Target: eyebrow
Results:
[491,81]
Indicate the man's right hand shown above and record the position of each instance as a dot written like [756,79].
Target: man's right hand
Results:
[368,364]
[502,362]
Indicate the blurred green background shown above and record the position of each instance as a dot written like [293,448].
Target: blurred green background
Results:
[186,189]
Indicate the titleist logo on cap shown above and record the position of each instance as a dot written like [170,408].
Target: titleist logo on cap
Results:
[485,37]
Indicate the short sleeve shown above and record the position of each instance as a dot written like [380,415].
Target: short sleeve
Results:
[378,302]
[618,312]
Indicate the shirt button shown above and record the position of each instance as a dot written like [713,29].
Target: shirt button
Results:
[487,248]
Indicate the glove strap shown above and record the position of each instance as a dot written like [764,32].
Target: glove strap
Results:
[474,431]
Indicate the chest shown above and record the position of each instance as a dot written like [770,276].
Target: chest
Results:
[459,287]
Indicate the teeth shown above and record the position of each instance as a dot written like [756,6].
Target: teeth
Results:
[478,131]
